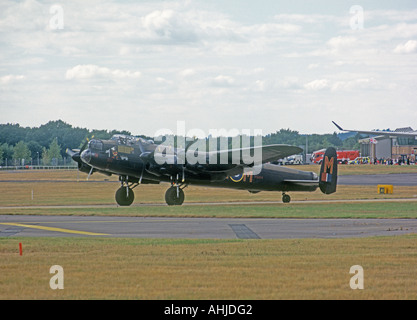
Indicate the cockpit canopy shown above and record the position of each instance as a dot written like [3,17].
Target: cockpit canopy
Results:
[120,140]
[129,140]
[95,145]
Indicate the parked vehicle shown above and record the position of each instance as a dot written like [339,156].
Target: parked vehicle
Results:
[361,160]
[343,156]
[296,159]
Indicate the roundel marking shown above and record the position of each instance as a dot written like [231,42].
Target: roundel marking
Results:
[237,178]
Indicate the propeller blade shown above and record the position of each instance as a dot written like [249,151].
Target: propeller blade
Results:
[74,155]
[89,174]
[141,147]
[183,174]
[70,152]
[85,143]
[141,175]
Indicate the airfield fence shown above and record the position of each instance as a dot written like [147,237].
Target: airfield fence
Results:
[41,167]
[65,163]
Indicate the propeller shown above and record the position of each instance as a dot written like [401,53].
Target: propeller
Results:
[86,143]
[75,155]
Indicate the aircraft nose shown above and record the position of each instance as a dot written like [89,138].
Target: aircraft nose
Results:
[86,156]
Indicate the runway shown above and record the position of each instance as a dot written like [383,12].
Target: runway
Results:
[396,179]
[199,228]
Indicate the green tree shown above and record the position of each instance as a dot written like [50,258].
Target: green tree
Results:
[46,159]
[54,151]
[7,151]
[35,149]
[334,140]
[21,152]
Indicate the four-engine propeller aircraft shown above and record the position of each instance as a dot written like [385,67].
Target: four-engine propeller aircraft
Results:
[134,161]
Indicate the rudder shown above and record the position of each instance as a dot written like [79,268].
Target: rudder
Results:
[328,172]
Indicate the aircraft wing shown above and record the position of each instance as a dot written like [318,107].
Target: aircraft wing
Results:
[248,157]
[268,153]
[278,151]
[380,133]
[218,165]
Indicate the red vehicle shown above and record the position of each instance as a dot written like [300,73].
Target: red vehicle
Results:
[343,157]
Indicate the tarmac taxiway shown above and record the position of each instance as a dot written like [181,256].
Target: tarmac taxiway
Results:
[199,228]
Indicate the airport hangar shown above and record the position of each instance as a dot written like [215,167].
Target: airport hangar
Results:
[390,147]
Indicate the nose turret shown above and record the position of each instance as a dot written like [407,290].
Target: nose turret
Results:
[86,156]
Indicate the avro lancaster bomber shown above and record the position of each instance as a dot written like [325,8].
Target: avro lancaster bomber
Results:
[138,161]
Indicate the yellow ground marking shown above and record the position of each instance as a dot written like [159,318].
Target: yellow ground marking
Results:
[53,229]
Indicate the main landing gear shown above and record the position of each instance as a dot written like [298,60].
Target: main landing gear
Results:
[125,196]
[174,196]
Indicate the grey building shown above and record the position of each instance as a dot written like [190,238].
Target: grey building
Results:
[390,147]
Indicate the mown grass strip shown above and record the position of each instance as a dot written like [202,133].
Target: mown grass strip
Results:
[100,268]
[320,210]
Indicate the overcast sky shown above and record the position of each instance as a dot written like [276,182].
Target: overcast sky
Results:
[259,65]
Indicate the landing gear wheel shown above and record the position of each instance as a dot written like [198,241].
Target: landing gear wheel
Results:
[174,199]
[286,198]
[124,196]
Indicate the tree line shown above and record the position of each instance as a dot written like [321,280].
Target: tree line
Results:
[314,142]
[47,144]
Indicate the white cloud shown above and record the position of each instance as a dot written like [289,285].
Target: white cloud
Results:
[11,78]
[409,47]
[187,72]
[185,26]
[259,85]
[168,25]
[363,83]
[189,54]
[318,84]
[274,29]
[342,42]
[88,71]
[392,15]
[223,81]
[313,66]
[315,19]
[26,16]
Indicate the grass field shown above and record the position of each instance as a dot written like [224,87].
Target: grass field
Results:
[41,188]
[394,209]
[101,268]
[209,269]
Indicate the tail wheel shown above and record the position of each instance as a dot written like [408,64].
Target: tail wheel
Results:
[286,198]
[174,198]
[124,196]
